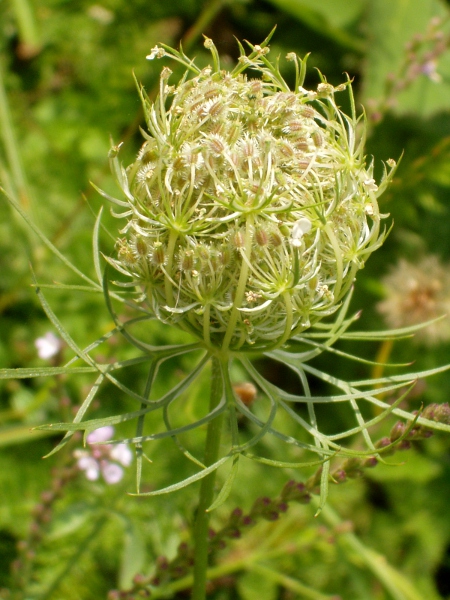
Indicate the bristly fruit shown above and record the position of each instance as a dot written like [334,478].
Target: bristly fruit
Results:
[250,206]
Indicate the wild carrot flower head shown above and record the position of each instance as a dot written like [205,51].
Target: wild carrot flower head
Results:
[416,293]
[250,206]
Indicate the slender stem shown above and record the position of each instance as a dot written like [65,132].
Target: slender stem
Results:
[18,181]
[201,526]
[287,582]
[11,146]
[12,174]
[240,290]
[382,358]
[27,25]
[398,586]
[246,563]
[208,14]
[289,319]
[170,253]
[74,560]
[207,325]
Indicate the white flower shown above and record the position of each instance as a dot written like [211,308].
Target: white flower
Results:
[371,185]
[48,345]
[301,227]
[156,52]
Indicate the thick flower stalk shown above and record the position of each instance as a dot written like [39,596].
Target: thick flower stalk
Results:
[250,206]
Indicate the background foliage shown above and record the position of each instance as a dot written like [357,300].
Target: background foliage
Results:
[66,90]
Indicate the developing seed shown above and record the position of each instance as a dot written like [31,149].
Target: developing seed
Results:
[317,139]
[238,239]
[307,112]
[187,260]
[276,239]
[158,254]
[141,247]
[261,237]
[225,256]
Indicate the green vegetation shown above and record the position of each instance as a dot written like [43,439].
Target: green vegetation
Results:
[72,526]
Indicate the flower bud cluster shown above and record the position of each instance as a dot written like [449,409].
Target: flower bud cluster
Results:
[42,516]
[422,54]
[400,433]
[249,207]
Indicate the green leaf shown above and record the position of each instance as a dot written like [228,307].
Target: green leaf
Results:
[416,468]
[178,486]
[133,554]
[19,434]
[227,486]
[252,585]
[398,586]
[26,373]
[47,242]
[71,520]
[327,17]
[283,464]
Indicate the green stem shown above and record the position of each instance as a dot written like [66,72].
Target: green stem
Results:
[209,13]
[27,25]
[289,319]
[287,582]
[398,586]
[206,325]
[11,147]
[248,562]
[201,526]
[240,290]
[170,254]
[12,174]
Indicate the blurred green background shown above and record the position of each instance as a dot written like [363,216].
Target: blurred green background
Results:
[66,93]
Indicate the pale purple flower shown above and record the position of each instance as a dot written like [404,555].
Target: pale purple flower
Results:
[112,473]
[48,345]
[122,454]
[429,70]
[104,459]
[102,434]
[88,464]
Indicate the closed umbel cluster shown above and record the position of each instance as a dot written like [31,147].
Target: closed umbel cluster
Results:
[249,207]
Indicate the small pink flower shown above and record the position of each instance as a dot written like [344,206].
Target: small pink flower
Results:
[122,454]
[112,473]
[88,464]
[104,459]
[100,435]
